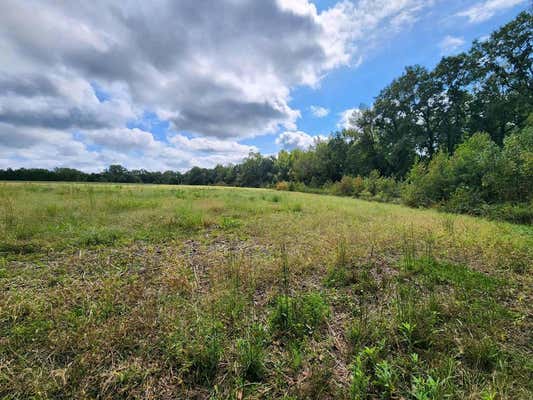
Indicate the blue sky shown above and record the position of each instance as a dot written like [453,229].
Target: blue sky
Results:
[349,87]
[172,85]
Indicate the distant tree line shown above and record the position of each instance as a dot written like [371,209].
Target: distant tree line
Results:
[422,130]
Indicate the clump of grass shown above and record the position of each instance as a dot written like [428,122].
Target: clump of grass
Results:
[340,273]
[363,372]
[228,223]
[481,354]
[180,194]
[296,207]
[205,353]
[186,219]
[198,352]
[409,250]
[416,318]
[318,384]
[99,237]
[251,353]
[298,316]
[344,272]
[9,214]
[365,329]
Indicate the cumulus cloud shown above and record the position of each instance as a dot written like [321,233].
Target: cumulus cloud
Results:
[319,112]
[220,70]
[291,140]
[347,117]
[451,44]
[133,148]
[485,10]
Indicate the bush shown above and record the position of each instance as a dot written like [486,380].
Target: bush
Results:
[475,178]
[387,189]
[516,213]
[283,185]
[465,200]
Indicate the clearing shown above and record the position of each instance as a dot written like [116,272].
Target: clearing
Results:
[162,292]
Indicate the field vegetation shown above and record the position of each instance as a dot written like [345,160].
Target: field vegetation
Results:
[161,292]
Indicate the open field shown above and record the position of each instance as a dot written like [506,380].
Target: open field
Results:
[166,292]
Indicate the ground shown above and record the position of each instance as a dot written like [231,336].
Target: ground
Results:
[163,292]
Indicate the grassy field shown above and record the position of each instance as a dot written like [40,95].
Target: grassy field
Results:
[168,292]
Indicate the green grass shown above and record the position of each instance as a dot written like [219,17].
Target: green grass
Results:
[130,291]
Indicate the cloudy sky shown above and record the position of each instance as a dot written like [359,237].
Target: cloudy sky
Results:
[171,84]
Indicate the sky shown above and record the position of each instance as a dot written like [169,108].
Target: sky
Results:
[168,85]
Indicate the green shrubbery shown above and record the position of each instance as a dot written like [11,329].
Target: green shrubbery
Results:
[480,178]
[372,187]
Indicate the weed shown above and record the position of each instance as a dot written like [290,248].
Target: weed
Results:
[426,388]
[340,273]
[298,316]
[481,354]
[416,318]
[97,237]
[228,223]
[385,378]
[318,383]
[251,353]
[204,352]
[360,381]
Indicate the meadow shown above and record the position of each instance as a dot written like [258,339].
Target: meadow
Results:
[112,291]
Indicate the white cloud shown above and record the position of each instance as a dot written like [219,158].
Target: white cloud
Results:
[291,140]
[451,44]
[210,145]
[319,112]
[221,71]
[122,139]
[346,117]
[485,10]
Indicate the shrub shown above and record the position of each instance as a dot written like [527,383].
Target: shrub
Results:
[371,182]
[387,188]
[429,185]
[517,213]
[475,177]
[465,200]
[283,185]
[346,186]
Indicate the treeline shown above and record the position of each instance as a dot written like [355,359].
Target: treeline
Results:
[420,140]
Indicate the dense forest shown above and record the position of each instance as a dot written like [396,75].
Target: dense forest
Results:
[459,137]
